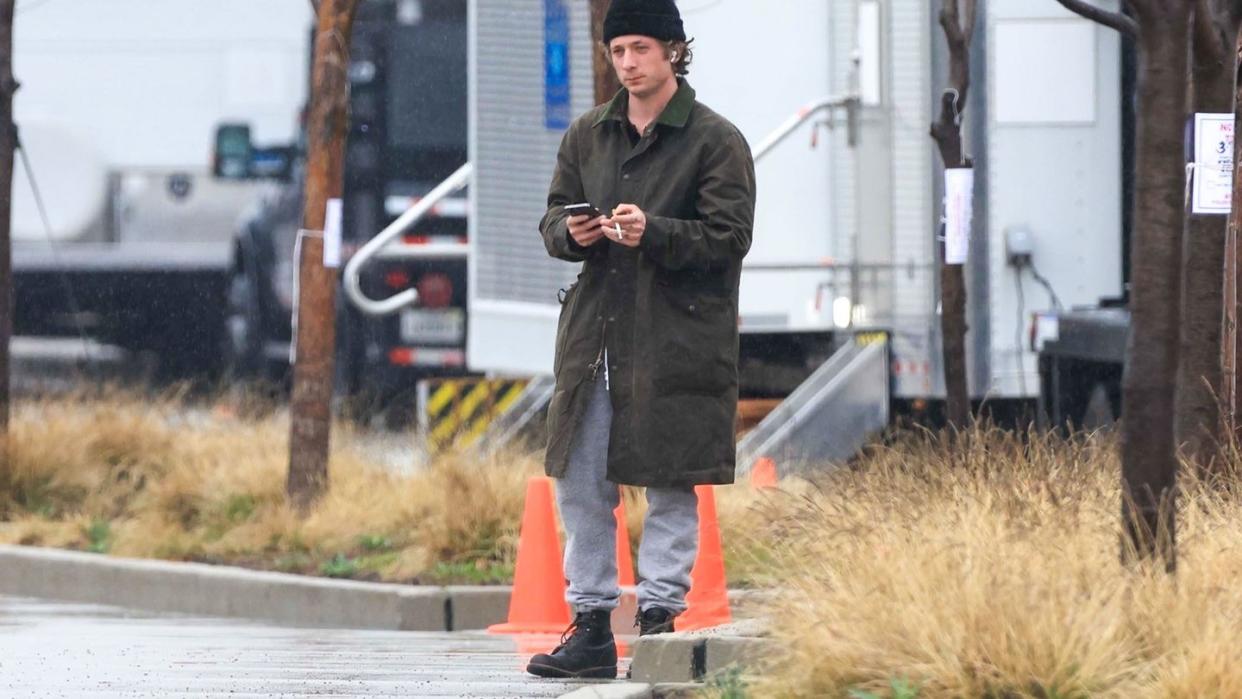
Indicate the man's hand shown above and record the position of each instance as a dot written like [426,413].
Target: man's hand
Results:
[584,230]
[632,223]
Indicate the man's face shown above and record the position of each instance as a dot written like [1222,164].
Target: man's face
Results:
[641,64]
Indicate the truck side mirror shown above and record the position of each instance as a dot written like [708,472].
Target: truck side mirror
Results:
[238,158]
[233,152]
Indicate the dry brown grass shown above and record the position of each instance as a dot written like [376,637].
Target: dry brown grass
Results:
[145,478]
[110,471]
[991,570]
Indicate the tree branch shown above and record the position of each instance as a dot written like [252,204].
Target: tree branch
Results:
[948,20]
[1116,20]
[947,129]
[968,24]
[959,45]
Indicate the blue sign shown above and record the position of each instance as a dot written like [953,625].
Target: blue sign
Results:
[556,65]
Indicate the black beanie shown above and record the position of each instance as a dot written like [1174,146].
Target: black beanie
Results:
[658,19]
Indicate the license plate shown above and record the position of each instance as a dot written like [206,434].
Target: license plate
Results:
[441,326]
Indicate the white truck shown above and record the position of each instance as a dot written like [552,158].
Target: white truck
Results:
[116,112]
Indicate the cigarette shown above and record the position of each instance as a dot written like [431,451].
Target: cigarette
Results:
[617,226]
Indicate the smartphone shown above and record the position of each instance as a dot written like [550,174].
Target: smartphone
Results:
[583,209]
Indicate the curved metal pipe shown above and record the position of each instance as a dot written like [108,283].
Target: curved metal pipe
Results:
[352,283]
[792,123]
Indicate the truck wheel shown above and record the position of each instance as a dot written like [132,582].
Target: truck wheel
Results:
[243,328]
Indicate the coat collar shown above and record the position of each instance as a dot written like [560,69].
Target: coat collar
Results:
[676,113]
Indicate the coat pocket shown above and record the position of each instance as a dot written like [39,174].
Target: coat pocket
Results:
[562,325]
[697,334]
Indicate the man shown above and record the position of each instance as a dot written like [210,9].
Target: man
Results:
[646,347]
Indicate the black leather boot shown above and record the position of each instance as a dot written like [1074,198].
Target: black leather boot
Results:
[587,650]
[654,620]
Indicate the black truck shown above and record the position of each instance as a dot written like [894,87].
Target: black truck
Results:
[407,133]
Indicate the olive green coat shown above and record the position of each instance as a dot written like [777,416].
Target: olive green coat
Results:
[667,311]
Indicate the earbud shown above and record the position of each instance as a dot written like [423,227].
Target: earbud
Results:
[673,57]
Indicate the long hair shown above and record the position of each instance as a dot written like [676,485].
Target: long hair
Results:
[685,55]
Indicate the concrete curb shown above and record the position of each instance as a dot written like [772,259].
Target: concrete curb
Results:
[637,690]
[623,690]
[211,590]
[281,598]
[692,656]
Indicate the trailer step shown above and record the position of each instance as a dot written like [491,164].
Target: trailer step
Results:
[829,417]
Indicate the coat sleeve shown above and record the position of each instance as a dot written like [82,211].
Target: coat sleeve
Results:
[726,208]
[566,189]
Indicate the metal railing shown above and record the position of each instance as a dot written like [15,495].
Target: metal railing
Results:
[850,103]
[379,246]
[353,270]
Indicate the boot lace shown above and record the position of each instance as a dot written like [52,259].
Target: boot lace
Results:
[569,632]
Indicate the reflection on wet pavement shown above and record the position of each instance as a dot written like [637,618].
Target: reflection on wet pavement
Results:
[61,649]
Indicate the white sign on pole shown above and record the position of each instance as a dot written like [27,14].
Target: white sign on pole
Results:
[958,209]
[1213,171]
[332,234]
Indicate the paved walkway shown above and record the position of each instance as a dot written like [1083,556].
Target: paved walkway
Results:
[50,649]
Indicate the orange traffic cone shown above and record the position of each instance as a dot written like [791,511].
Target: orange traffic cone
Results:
[708,599]
[763,475]
[537,604]
[625,559]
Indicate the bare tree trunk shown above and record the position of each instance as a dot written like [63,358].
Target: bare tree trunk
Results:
[8,86]
[1148,390]
[606,83]
[310,421]
[1231,342]
[957,18]
[1199,372]
[1148,450]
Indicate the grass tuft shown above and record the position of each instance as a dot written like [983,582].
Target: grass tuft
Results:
[132,476]
[988,567]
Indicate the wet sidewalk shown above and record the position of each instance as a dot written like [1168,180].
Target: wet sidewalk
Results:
[52,649]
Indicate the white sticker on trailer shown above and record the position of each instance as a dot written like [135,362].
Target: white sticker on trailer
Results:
[1047,329]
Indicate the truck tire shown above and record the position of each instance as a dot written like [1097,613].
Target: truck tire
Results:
[243,336]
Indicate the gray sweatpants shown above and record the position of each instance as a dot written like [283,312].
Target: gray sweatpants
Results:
[587,499]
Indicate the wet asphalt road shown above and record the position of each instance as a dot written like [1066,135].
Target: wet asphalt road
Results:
[51,649]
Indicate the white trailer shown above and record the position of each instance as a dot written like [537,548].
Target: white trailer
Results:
[848,210]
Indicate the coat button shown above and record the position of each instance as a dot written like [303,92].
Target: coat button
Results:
[612,319]
[613,270]
[692,307]
[626,176]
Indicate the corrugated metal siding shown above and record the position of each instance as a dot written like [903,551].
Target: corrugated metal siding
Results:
[513,152]
[844,38]
[913,218]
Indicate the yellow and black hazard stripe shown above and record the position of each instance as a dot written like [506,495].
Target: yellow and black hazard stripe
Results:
[458,411]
